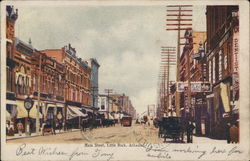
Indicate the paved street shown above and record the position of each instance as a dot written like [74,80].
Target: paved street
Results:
[117,134]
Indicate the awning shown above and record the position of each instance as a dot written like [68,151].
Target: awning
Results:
[216,97]
[11,102]
[87,109]
[74,111]
[22,112]
[224,96]
[51,105]
[117,116]
[7,115]
[111,117]
[236,107]
[60,105]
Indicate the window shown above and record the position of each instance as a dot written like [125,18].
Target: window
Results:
[210,71]
[225,62]
[213,77]
[220,64]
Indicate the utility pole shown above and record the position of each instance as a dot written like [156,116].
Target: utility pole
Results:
[179,12]
[39,93]
[168,58]
[108,91]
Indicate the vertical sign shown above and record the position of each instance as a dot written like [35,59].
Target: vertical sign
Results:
[235,63]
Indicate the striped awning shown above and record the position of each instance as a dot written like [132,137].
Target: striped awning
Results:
[73,111]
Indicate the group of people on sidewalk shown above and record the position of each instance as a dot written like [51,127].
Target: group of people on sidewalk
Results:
[11,129]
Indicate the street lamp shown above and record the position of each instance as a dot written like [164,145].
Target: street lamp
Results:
[28,104]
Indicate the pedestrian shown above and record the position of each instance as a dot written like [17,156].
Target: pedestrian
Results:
[234,133]
[20,128]
[189,129]
[228,133]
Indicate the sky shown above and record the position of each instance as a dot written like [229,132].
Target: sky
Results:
[125,40]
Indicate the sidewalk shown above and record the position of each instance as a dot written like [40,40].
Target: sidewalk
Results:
[16,136]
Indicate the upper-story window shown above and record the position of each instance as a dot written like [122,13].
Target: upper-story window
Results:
[213,77]
[22,81]
[220,64]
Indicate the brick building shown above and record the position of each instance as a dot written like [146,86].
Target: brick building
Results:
[193,105]
[18,72]
[48,92]
[77,77]
[222,54]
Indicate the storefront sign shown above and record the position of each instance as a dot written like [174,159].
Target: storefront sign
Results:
[236,50]
[195,86]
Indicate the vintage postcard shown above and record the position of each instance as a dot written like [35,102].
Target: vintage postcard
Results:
[125,80]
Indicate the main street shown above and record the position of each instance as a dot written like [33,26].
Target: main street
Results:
[117,134]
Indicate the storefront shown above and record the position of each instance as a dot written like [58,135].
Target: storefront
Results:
[75,115]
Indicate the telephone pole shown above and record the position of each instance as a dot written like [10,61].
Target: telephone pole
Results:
[168,57]
[108,91]
[176,22]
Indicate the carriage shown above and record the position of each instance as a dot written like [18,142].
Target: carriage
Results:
[170,127]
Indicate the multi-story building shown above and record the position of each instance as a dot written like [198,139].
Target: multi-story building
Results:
[18,74]
[47,85]
[193,103]
[11,64]
[77,76]
[105,104]
[222,54]
[94,81]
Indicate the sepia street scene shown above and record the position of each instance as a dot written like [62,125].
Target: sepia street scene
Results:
[122,74]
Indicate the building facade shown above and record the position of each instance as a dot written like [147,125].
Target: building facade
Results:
[94,65]
[77,77]
[193,104]
[47,86]
[222,55]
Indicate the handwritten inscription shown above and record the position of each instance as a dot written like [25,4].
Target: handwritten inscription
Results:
[155,151]
[78,153]
[164,151]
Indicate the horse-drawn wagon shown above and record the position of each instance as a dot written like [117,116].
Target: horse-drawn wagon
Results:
[170,127]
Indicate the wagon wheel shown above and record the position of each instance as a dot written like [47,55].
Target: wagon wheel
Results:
[87,134]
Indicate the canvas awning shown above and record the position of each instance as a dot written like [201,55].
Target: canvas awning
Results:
[224,96]
[111,117]
[60,105]
[7,116]
[51,105]
[22,112]
[74,111]
[11,102]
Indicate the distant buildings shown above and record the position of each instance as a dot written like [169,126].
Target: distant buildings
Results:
[118,103]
